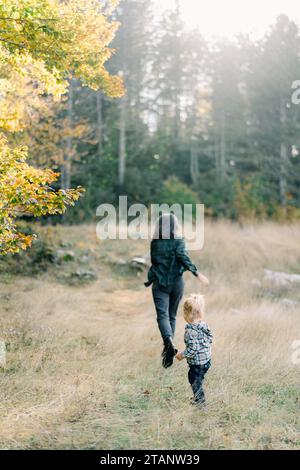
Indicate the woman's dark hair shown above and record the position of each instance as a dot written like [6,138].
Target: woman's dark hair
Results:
[166,227]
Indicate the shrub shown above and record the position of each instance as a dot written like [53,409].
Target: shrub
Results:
[176,192]
[33,261]
[248,201]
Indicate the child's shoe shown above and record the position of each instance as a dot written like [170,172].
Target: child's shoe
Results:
[199,403]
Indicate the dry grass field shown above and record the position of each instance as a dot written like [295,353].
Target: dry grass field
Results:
[83,362]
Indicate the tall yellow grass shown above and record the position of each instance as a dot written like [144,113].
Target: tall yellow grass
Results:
[83,363]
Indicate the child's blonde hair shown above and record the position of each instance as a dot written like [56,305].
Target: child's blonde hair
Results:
[193,308]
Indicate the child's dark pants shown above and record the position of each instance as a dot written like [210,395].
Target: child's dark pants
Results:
[166,300]
[196,376]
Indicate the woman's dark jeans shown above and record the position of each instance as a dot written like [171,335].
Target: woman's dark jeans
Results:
[166,300]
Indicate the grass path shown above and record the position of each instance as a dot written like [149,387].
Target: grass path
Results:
[83,363]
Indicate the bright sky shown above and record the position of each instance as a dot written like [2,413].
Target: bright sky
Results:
[228,17]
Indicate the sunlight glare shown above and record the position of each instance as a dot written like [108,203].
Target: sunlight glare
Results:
[230,17]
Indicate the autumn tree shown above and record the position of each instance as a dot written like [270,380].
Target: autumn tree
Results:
[42,44]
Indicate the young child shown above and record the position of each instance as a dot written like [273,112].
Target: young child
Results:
[198,339]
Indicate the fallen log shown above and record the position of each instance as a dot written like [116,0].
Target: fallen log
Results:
[289,302]
[140,263]
[281,278]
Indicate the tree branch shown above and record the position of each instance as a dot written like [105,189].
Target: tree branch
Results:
[12,43]
[23,20]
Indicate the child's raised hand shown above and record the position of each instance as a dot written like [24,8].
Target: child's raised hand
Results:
[179,356]
[203,279]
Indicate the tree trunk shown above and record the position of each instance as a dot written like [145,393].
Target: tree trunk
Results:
[222,149]
[194,163]
[66,167]
[178,83]
[216,153]
[99,130]
[283,157]
[122,145]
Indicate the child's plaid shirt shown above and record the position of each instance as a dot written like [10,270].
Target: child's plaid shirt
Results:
[198,339]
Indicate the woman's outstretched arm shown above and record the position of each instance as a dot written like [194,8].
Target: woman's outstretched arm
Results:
[185,260]
[183,257]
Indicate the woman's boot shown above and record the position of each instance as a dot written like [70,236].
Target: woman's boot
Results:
[168,353]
